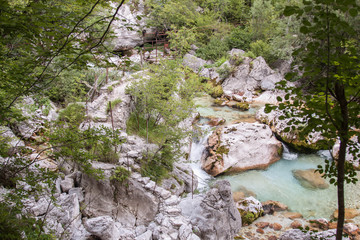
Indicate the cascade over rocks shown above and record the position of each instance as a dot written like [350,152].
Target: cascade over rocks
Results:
[214,214]
[240,147]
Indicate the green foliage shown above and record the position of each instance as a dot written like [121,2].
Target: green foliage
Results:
[329,60]
[121,175]
[162,101]
[157,166]
[182,39]
[113,104]
[236,60]
[180,13]
[40,40]
[261,48]
[213,90]
[14,227]
[83,146]
[239,38]
[73,114]
[213,50]
[225,71]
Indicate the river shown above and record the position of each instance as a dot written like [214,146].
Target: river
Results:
[277,182]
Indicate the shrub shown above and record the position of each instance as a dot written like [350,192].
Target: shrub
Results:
[214,50]
[113,104]
[239,38]
[225,71]
[73,114]
[121,175]
[261,48]
[236,60]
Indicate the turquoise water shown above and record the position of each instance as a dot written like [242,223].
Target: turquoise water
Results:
[277,182]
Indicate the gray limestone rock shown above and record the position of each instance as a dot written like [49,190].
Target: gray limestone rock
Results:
[214,213]
[240,147]
[103,227]
[129,203]
[66,184]
[145,236]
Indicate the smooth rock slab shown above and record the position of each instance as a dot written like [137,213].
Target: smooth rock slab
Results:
[310,179]
[240,147]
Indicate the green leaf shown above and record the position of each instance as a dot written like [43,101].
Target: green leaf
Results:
[279,99]
[290,10]
[304,30]
[353,12]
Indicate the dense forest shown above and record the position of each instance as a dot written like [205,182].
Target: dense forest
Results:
[59,54]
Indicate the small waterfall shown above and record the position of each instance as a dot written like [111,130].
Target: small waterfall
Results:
[287,154]
[197,149]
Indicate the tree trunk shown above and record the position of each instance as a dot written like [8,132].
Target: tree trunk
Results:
[343,133]
[340,189]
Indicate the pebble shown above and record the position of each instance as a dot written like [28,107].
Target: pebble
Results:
[276,226]
[296,224]
[262,224]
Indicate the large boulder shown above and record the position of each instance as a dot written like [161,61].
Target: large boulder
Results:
[250,76]
[310,179]
[214,213]
[129,203]
[126,29]
[240,147]
[312,142]
[198,66]
[240,81]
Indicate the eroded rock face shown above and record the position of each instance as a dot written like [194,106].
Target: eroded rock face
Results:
[126,38]
[97,109]
[213,213]
[240,147]
[310,179]
[198,66]
[278,126]
[128,204]
[349,157]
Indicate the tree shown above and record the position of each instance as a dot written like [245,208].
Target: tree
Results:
[163,99]
[328,99]
[41,39]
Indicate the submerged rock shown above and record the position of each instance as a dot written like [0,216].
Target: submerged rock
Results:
[214,213]
[240,147]
[349,213]
[310,179]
